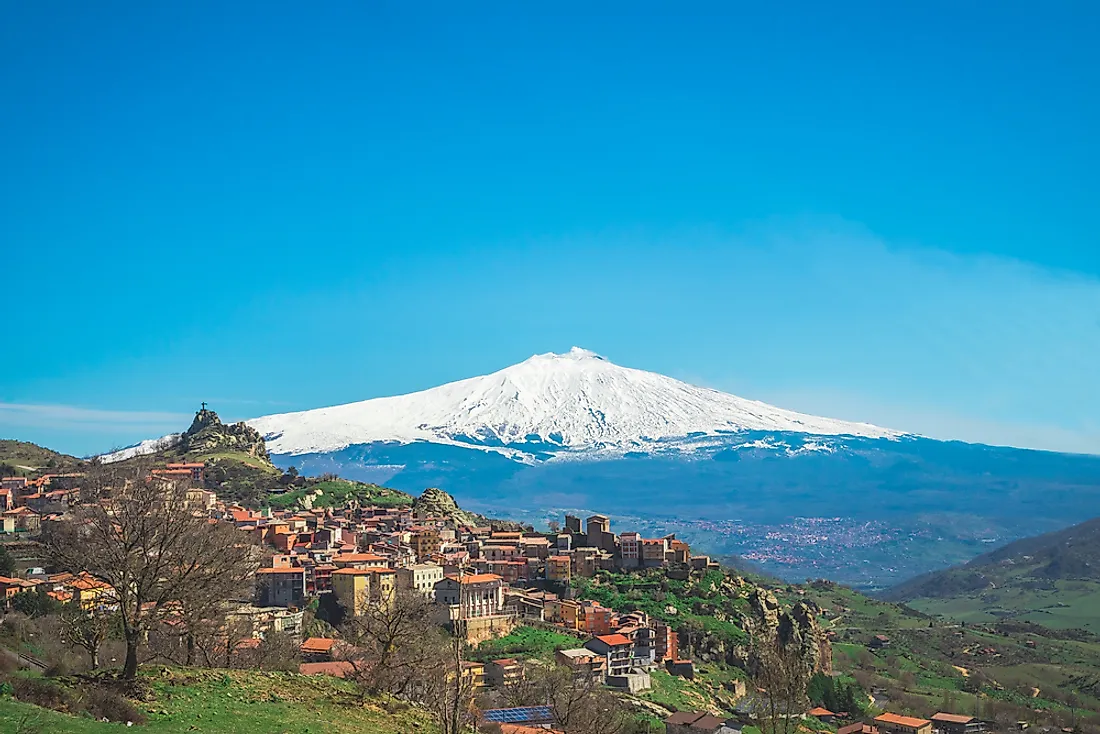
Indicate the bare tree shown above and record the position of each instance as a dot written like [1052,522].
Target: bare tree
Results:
[88,628]
[139,535]
[394,642]
[580,704]
[781,674]
[450,693]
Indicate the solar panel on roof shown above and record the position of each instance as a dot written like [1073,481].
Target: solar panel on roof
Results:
[521,715]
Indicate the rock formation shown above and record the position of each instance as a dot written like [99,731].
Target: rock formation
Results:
[208,435]
[435,502]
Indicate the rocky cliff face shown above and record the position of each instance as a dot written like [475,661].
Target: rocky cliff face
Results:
[795,629]
[208,435]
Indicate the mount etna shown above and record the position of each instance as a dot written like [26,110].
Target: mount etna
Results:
[800,495]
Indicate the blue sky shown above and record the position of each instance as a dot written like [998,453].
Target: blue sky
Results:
[862,210]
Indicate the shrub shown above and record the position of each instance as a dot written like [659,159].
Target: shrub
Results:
[102,703]
[40,692]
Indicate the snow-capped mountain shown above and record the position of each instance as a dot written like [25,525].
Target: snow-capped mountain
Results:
[551,405]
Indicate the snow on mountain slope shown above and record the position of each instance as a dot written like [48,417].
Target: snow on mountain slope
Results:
[146,447]
[576,402]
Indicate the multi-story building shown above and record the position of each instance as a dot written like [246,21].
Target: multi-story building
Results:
[599,532]
[558,568]
[281,587]
[617,650]
[586,561]
[504,672]
[653,552]
[666,643]
[475,673]
[357,588]
[593,618]
[473,596]
[420,578]
[584,663]
[629,549]
[425,541]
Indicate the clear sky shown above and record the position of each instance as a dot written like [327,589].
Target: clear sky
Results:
[878,211]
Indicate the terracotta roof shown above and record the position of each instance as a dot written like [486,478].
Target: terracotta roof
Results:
[318,644]
[613,640]
[821,711]
[339,669]
[359,558]
[953,718]
[362,571]
[480,578]
[858,728]
[284,569]
[906,721]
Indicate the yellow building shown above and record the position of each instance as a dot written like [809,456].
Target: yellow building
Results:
[475,673]
[558,568]
[356,588]
[89,592]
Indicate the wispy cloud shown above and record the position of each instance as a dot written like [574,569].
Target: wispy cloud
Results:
[74,417]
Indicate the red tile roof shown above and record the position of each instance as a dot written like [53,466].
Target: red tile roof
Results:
[480,578]
[613,640]
[362,571]
[906,721]
[339,669]
[953,718]
[318,645]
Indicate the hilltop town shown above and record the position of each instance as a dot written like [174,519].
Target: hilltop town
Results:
[672,639]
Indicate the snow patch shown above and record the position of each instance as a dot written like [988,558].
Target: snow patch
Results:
[148,446]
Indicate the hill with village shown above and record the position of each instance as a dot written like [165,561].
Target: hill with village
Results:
[664,631]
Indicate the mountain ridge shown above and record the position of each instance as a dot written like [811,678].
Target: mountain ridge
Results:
[549,406]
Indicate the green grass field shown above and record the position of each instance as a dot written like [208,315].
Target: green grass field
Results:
[249,702]
[527,642]
[1064,605]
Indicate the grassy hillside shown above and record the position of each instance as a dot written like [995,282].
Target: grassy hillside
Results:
[1051,579]
[247,702]
[929,663]
[24,457]
[338,493]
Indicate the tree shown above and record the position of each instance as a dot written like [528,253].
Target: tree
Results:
[449,692]
[780,672]
[87,629]
[7,562]
[35,603]
[140,536]
[581,704]
[394,642]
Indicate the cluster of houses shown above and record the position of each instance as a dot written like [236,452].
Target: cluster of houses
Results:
[25,503]
[702,722]
[489,579]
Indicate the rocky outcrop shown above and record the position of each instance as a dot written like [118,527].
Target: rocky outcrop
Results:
[795,629]
[208,435]
[434,502]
